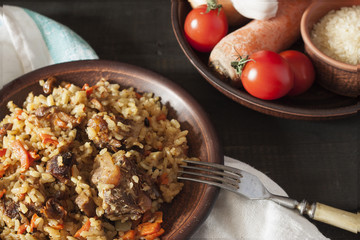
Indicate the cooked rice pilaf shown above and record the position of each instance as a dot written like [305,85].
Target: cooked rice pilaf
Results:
[88,163]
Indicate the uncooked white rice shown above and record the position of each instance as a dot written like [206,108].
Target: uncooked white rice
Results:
[337,34]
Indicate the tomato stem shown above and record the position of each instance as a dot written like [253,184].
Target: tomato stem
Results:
[213,5]
[240,64]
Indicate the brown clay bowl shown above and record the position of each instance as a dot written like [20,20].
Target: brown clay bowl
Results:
[336,76]
[316,104]
[190,208]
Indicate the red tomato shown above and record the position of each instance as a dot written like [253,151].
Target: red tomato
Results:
[204,30]
[267,75]
[303,69]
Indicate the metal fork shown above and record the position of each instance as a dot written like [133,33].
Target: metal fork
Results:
[250,186]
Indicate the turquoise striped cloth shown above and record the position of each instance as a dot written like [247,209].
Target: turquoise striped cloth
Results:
[30,41]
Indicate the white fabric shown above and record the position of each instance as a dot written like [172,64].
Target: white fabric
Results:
[29,41]
[235,217]
[24,49]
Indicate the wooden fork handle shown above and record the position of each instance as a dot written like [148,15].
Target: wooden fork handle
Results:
[338,218]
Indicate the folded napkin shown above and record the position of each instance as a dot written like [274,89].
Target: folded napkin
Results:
[30,41]
[235,217]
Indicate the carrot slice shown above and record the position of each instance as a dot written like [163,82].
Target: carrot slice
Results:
[47,139]
[158,217]
[148,228]
[2,193]
[22,229]
[162,116]
[154,235]
[21,196]
[84,228]
[58,227]
[138,95]
[164,179]
[129,235]
[18,113]
[32,222]
[60,123]
[33,155]
[2,152]
[89,90]
[21,153]
[85,86]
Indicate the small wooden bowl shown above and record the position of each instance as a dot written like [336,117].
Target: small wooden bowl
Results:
[336,76]
[193,204]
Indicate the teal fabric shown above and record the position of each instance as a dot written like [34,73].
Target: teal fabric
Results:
[64,45]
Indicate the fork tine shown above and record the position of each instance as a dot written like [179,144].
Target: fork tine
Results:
[233,176]
[213,174]
[215,165]
[227,187]
[223,180]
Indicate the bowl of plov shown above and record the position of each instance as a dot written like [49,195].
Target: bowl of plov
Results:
[61,176]
[330,30]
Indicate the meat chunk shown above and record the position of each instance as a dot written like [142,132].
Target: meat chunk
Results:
[61,119]
[129,169]
[32,209]
[127,198]
[105,170]
[86,204]
[120,118]
[12,210]
[97,105]
[44,111]
[101,131]
[120,204]
[54,210]
[60,166]
[49,85]
[101,136]
[57,117]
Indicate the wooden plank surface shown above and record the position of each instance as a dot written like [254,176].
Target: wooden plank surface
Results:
[313,160]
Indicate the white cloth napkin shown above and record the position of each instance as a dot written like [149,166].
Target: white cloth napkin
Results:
[235,217]
[30,41]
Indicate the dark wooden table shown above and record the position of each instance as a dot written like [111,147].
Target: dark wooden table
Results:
[313,160]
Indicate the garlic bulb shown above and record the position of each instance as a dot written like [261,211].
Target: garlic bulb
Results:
[256,9]
[196,3]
